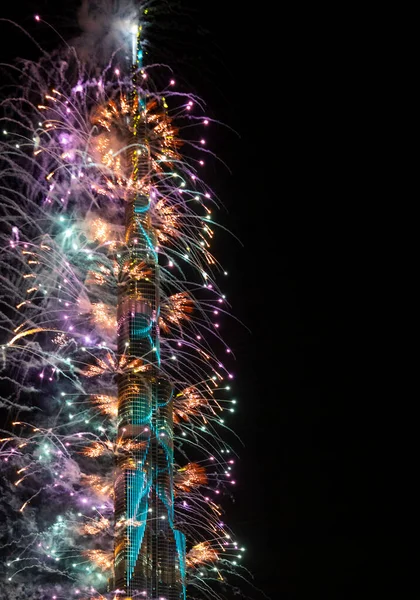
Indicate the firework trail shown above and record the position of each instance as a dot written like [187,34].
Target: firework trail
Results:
[64,182]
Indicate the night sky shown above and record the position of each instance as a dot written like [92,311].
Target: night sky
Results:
[301,506]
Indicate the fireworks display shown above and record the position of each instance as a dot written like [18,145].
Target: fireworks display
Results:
[66,138]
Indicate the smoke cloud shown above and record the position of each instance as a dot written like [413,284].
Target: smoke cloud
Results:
[107,28]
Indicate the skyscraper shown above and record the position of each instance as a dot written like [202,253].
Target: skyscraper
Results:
[149,551]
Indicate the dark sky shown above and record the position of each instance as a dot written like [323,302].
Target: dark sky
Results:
[284,84]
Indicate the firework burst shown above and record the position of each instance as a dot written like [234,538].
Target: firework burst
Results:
[67,174]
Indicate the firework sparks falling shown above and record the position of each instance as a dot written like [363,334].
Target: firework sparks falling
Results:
[66,178]
[200,554]
[190,476]
[102,560]
[106,404]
